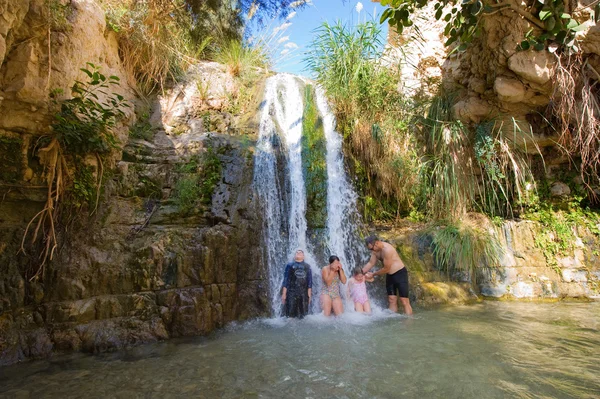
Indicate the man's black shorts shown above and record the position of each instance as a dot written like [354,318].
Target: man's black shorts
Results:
[397,282]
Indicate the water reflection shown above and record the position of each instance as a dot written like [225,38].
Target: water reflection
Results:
[491,350]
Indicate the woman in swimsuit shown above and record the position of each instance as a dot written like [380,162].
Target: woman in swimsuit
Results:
[358,291]
[333,276]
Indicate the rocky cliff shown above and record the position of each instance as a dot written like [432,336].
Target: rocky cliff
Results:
[166,254]
[527,270]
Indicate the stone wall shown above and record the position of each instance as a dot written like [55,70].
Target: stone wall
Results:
[140,269]
[525,272]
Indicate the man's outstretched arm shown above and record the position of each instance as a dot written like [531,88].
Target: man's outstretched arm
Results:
[372,262]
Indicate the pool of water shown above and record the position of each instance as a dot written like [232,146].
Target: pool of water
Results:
[488,350]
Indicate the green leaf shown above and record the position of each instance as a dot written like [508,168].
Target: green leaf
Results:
[550,23]
[565,16]
[572,24]
[403,14]
[88,73]
[438,13]
[539,46]
[561,36]
[475,8]
[579,28]
[385,15]
[447,17]
[385,2]
[525,45]
[451,40]
[544,14]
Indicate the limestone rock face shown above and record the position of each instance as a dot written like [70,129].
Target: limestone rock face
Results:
[37,61]
[524,272]
[141,268]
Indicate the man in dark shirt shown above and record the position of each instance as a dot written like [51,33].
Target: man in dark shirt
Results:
[297,287]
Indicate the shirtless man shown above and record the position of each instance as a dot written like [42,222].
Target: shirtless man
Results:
[397,276]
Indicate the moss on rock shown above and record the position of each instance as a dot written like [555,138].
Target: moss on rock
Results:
[11,158]
[314,164]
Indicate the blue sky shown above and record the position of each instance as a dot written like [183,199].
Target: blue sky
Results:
[284,36]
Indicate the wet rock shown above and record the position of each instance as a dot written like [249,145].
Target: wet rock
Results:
[36,344]
[66,339]
[522,290]
[114,334]
[559,189]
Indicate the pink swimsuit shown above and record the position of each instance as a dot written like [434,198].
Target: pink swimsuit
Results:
[358,292]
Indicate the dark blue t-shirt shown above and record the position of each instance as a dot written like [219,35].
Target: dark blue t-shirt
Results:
[297,276]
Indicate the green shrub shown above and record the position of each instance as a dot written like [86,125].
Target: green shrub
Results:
[142,128]
[201,176]
[465,248]
[84,123]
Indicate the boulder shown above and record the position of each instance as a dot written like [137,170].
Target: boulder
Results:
[559,189]
[533,66]
[509,90]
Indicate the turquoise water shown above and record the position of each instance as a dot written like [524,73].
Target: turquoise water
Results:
[489,350]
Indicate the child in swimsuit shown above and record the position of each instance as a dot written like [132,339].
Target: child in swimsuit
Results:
[333,277]
[358,291]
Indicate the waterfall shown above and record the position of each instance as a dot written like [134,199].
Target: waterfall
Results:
[342,217]
[281,188]
[269,192]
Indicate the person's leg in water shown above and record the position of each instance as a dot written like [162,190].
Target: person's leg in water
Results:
[358,307]
[326,304]
[338,306]
[406,304]
[393,303]
[367,307]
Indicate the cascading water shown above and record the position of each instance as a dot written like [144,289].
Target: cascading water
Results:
[284,204]
[342,217]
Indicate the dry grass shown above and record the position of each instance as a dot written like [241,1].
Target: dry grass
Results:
[576,108]
[154,38]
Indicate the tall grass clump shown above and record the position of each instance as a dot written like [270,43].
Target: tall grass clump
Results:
[154,38]
[465,248]
[447,173]
[372,114]
[240,57]
[483,168]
